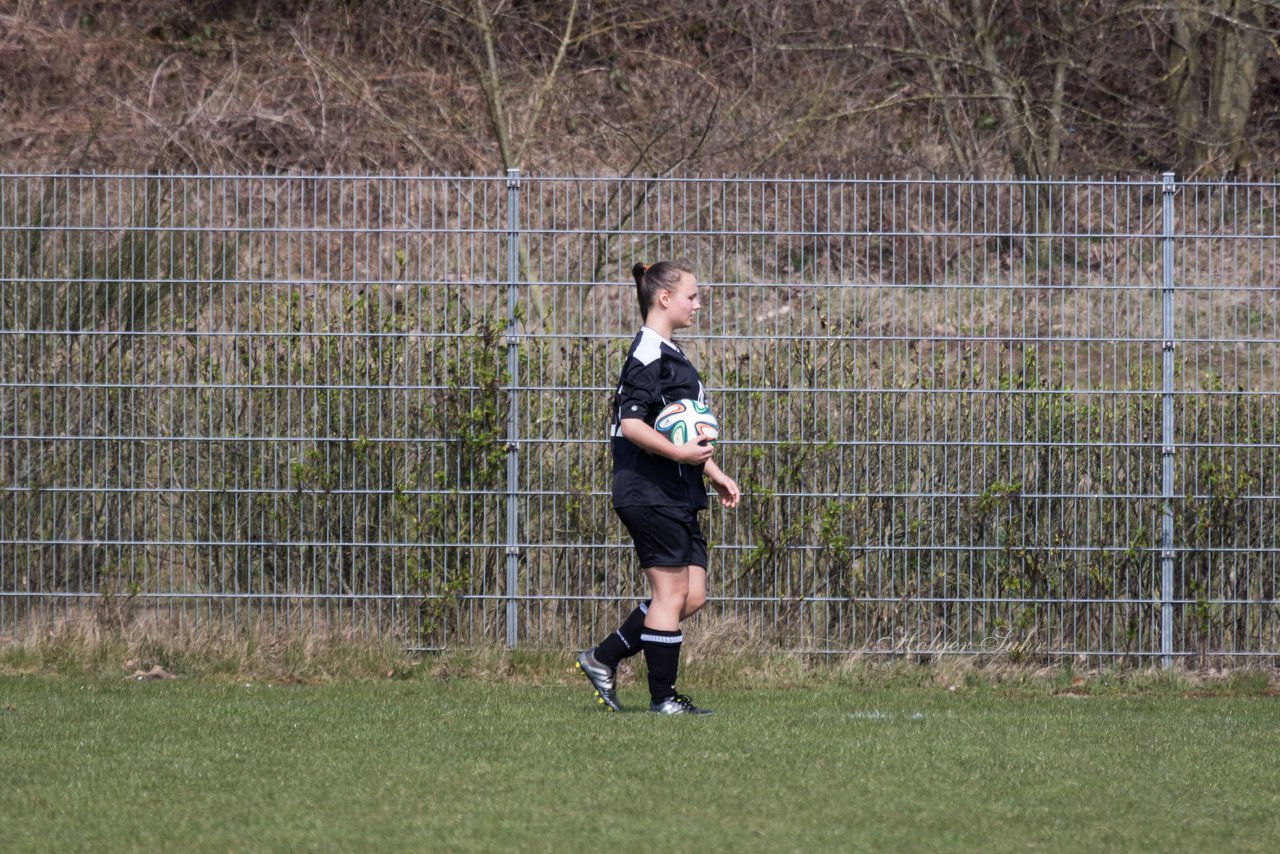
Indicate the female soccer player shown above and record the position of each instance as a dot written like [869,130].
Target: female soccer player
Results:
[658,491]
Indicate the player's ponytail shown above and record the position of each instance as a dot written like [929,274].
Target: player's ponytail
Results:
[651,278]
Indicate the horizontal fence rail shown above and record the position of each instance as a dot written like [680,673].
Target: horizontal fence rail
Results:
[1029,418]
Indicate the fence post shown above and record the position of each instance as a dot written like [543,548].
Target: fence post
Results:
[513,401]
[1167,433]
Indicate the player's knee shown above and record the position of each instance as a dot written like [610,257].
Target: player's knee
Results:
[680,599]
[670,601]
[693,602]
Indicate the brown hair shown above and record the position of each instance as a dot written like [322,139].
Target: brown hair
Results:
[651,278]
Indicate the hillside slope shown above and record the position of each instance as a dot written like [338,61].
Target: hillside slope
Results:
[607,87]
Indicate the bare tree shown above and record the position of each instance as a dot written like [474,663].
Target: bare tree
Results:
[999,65]
[474,27]
[1215,49]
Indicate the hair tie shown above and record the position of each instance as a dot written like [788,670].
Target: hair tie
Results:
[646,267]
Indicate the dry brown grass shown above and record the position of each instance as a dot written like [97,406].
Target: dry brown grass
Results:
[813,87]
[718,654]
[83,643]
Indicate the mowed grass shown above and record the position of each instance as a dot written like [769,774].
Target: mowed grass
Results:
[432,764]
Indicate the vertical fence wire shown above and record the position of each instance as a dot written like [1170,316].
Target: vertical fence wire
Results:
[379,405]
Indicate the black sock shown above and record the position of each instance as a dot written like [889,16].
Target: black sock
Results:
[662,654]
[625,642]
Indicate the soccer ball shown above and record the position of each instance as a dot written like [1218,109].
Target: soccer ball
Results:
[687,421]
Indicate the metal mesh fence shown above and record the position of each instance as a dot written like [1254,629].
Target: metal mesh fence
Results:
[1025,418]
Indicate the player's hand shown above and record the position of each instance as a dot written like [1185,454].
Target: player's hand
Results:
[728,489]
[694,453]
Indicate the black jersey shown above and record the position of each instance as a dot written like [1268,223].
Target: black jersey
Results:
[655,373]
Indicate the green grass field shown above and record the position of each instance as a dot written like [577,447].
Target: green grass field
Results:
[91,763]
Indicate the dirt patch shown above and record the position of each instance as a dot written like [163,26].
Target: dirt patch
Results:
[155,674]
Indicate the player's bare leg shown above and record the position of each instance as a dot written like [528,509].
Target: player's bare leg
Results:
[662,638]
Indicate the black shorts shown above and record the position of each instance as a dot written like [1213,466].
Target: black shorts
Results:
[665,536]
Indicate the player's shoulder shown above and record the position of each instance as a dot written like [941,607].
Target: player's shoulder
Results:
[646,347]
[649,347]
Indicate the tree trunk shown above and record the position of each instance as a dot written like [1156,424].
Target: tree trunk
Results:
[1007,91]
[1210,125]
[1241,42]
[1185,39]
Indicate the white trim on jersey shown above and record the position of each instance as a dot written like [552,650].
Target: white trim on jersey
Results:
[649,349]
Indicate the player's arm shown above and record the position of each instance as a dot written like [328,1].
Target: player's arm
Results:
[725,485]
[642,434]
[638,395]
